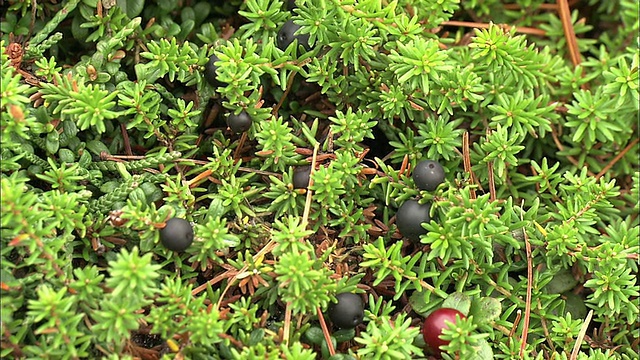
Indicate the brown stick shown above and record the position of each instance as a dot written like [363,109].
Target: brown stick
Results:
[288,89]
[466,161]
[125,139]
[519,29]
[325,332]
[581,334]
[516,322]
[308,199]
[541,7]
[553,7]
[527,305]
[212,282]
[617,158]
[492,183]
[287,323]
[565,16]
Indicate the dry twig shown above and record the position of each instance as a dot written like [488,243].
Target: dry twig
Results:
[325,332]
[581,334]
[527,306]
[564,12]
[519,29]
[466,161]
[617,158]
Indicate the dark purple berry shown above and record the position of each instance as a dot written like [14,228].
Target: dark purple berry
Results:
[428,174]
[287,35]
[210,72]
[239,123]
[409,218]
[177,234]
[301,177]
[348,312]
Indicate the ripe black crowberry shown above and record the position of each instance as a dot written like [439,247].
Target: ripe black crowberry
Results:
[239,123]
[301,177]
[177,234]
[210,72]
[348,312]
[428,174]
[287,35]
[409,218]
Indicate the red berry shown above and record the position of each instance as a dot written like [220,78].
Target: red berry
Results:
[434,324]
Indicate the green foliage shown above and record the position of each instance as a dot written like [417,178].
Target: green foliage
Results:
[463,341]
[303,281]
[276,141]
[108,128]
[417,63]
[389,339]
[352,128]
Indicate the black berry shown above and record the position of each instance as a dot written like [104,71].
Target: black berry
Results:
[301,177]
[177,234]
[239,123]
[210,72]
[348,312]
[428,174]
[409,217]
[287,34]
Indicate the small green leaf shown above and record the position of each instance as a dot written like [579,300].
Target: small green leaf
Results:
[66,156]
[132,8]
[342,357]
[483,351]
[485,309]
[137,196]
[151,191]
[202,10]
[314,335]
[186,27]
[187,13]
[343,335]
[256,337]
[325,349]
[563,281]
[53,142]
[420,302]
[575,305]
[458,301]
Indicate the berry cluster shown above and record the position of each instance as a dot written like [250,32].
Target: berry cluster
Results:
[241,122]
[427,175]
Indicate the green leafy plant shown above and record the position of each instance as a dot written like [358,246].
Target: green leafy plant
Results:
[115,119]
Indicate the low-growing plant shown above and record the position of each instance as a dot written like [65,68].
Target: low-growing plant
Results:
[179,181]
